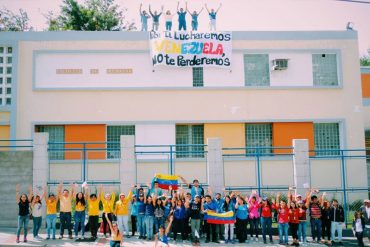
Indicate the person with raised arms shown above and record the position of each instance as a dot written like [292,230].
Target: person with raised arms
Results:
[116,235]
[65,215]
[194,19]
[23,202]
[122,213]
[212,17]
[155,17]
[143,18]
[241,214]
[51,213]
[93,211]
[195,188]
[182,16]
[168,18]
[108,200]
[36,206]
[161,238]
[79,216]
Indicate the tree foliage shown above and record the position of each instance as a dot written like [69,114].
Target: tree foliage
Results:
[93,15]
[10,21]
[365,60]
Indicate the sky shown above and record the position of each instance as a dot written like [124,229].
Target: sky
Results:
[238,15]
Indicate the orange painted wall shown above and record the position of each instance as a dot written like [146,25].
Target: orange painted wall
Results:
[365,78]
[85,133]
[284,133]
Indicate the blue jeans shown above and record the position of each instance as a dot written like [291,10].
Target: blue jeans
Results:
[51,222]
[79,219]
[168,25]
[283,232]
[144,26]
[36,225]
[254,226]
[266,228]
[149,222]
[23,222]
[302,228]
[336,226]
[141,224]
[316,229]
[158,221]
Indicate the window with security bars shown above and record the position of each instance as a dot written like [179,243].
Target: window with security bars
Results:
[189,141]
[114,134]
[6,69]
[326,138]
[324,67]
[258,135]
[198,77]
[256,70]
[56,134]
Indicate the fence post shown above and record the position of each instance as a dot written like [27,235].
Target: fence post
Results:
[215,164]
[301,165]
[258,160]
[171,159]
[343,166]
[40,159]
[84,177]
[127,163]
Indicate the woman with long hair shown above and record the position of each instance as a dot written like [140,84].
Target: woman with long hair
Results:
[241,209]
[179,216]
[283,219]
[227,207]
[51,213]
[79,216]
[36,206]
[294,221]
[134,213]
[108,200]
[254,216]
[158,213]
[116,235]
[23,202]
[266,219]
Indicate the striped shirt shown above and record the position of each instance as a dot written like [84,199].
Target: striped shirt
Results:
[315,210]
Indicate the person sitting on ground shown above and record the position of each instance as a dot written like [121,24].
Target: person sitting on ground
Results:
[116,237]
[161,238]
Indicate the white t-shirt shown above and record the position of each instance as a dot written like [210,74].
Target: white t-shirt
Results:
[37,210]
[359,226]
[168,18]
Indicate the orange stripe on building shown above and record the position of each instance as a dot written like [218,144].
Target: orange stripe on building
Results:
[4,135]
[85,133]
[365,80]
[284,133]
[232,135]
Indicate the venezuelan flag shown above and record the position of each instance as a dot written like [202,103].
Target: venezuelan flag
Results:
[164,181]
[220,218]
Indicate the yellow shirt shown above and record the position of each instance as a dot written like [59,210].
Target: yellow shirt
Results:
[65,203]
[51,206]
[93,207]
[108,205]
[122,206]
[79,207]
[116,237]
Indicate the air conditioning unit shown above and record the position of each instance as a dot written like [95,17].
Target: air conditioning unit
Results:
[280,64]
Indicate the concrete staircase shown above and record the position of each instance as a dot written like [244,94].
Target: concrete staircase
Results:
[15,167]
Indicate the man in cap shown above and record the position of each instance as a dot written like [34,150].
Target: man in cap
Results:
[365,211]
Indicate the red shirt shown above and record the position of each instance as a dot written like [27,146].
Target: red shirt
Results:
[315,210]
[294,215]
[266,211]
[283,215]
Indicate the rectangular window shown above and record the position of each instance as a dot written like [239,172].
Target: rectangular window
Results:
[1,59]
[8,90]
[189,141]
[324,67]
[256,70]
[8,70]
[114,137]
[5,75]
[8,101]
[258,135]
[198,77]
[326,138]
[9,60]
[8,80]
[56,134]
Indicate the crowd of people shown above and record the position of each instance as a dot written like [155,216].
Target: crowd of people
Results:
[181,12]
[155,213]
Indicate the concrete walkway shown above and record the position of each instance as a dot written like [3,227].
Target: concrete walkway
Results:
[7,238]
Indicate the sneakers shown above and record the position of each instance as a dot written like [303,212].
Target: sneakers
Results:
[70,237]
[61,237]
[48,237]
[25,240]
[17,240]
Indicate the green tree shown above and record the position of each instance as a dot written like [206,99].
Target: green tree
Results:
[365,60]
[93,15]
[10,21]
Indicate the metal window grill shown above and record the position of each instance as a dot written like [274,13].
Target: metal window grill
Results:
[56,134]
[258,135]
[198,77]
[189,135]
[256,70]
[324,67]
[5,74]
[113,138]
[326,138]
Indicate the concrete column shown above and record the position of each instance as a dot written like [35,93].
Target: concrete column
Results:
[301,165]
[215,165]
[40,160]
[127,163]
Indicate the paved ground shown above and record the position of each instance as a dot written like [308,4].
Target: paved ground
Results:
[7,238]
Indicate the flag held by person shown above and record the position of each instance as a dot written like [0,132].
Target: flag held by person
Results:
[220,218]
[165,180]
